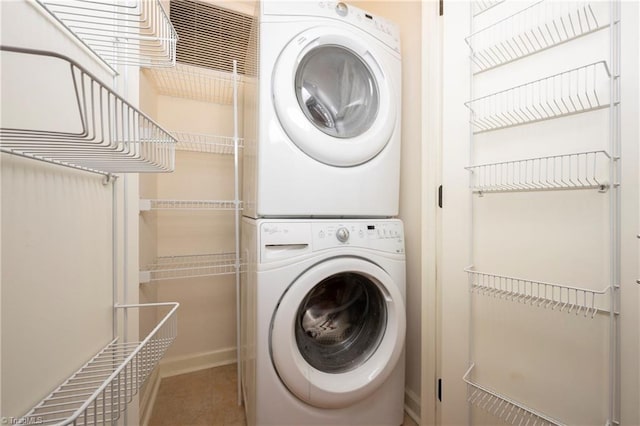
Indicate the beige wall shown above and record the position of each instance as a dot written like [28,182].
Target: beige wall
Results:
[408,16]
[206,325]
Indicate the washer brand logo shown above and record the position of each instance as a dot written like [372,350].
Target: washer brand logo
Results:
[274,230]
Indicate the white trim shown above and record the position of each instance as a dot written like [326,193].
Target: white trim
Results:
[199,361]
[148,400]
[412,405]
[431,218]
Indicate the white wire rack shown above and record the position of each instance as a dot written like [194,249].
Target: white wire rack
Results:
[579,301]
[128,32]
[480,6]
[578,90]
[507,409]
[582,170]
[108,135]
[99,391]
[538,27]
[198,83]
[156,204]
[205,143]
[190,266]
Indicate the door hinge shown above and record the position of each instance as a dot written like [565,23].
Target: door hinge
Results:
[439,390]
[441,7]
[440,196]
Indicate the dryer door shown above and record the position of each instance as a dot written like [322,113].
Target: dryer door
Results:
[338,332]
[333,96]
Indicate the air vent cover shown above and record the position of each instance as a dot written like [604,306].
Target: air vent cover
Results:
[210,36]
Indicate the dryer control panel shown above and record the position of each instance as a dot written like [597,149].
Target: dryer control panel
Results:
[383,29]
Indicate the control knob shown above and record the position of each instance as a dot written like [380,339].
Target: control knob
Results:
[342,234]
[342,9]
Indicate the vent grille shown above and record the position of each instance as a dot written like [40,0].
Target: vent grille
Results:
[210,36]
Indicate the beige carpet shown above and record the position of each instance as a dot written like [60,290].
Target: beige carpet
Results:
[203,398]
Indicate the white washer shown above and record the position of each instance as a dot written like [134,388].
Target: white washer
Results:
[323,322]
[322,134]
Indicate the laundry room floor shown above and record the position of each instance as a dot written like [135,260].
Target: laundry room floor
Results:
[203,398]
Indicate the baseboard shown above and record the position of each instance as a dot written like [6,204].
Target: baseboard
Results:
[149,397]
[412,405]
[199,361]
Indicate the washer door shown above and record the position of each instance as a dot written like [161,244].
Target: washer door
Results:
[338,332]
[333,96]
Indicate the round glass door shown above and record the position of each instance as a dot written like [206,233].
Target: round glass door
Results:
[338,332]
[335,96]
[336,91]
[340,323]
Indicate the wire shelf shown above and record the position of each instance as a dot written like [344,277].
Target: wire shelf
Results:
[212,144]
[540,26]
[578,90]
[156,204]
[546,295]
[503,407]
[191,266]
[481,6]
[197,83]
[582,170]
[100,391]
[108,135]
[126,32]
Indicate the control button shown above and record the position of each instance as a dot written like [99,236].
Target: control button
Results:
[321,234]
[342,9]
[342,234]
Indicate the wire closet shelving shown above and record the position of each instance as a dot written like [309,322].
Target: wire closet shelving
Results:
[194,82]
[213,86]
[540,26]
[594,86]
[120,32]
[100,390]
[210,67]
[86,125]
[581,170]
[102,134]
[189,266]
[503,407]
[574,91]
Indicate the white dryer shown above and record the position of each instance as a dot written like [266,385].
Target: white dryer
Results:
[323,322]
[322,136]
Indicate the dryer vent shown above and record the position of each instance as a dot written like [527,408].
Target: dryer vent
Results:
[211,36]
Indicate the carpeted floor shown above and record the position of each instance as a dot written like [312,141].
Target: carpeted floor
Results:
[203,398]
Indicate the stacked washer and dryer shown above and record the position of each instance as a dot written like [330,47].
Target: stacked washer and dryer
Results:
[323,296]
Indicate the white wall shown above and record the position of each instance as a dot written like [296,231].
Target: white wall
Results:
[56,234]
[56,238]
[553,362]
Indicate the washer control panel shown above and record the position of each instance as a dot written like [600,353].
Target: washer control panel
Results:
[280,238]
[384,235]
